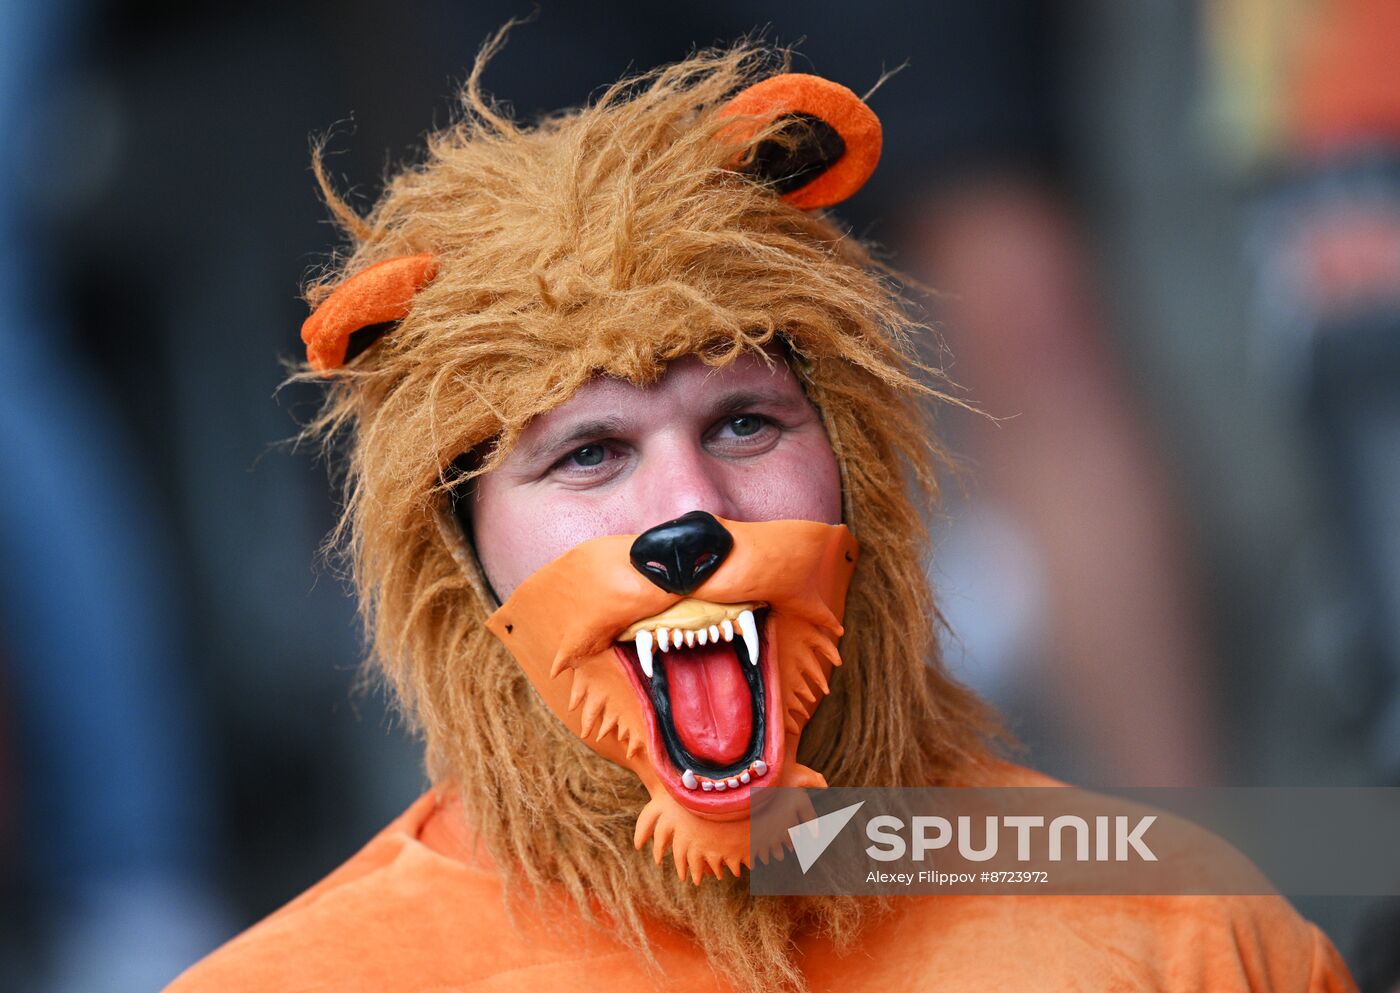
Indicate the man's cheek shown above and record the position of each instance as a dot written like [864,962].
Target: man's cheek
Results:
[563,520]
[800,482]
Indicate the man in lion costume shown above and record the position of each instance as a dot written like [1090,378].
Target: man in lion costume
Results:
[637,449]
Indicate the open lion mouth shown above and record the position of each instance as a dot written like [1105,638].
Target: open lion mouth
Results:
[703,669]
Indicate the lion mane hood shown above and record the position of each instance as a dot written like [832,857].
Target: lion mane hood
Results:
[679,213]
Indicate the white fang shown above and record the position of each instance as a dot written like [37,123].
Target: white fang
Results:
[750,632]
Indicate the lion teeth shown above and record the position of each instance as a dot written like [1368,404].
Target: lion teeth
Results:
[693,615]
[724,783]
[750,631]
[715,623]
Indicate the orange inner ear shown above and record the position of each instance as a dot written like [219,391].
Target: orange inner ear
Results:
[832,103]
[381,294]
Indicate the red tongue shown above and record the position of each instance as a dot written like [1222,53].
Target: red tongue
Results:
[710,704]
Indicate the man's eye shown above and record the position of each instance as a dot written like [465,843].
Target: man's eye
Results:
[588,455]
[746,424]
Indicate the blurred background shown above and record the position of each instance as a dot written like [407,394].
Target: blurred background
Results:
[1166,237]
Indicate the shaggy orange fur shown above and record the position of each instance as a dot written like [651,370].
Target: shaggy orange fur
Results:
[610,240]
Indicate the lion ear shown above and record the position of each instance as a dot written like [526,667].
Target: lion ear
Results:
[826,144]
[362,308]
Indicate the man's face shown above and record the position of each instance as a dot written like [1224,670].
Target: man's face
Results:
[741,442]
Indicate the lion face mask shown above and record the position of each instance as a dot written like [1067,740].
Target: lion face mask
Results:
[694,655]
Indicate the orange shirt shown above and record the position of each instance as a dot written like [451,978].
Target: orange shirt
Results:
[418,910]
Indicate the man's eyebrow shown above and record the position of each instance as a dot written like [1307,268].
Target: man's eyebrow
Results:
[742,400]
[570,436]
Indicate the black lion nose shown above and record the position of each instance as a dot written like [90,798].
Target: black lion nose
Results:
[678,555]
